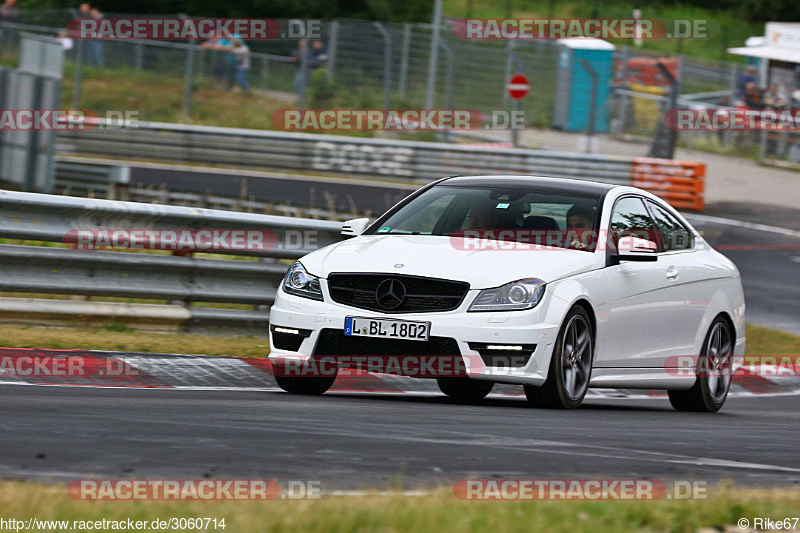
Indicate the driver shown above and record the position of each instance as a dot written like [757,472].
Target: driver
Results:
[579,221]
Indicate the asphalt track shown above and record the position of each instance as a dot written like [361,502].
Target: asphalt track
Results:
[765,246]
[356,440]
[349,441]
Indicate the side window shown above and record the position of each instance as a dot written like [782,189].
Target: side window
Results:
[630,218]
[676,236]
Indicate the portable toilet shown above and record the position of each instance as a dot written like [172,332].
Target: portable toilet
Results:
[574,83]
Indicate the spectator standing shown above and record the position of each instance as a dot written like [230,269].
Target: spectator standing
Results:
[315,58]
[95,46]
[749,76]
[242,54]
[217,59]
[9,13]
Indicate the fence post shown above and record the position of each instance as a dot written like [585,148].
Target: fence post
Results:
[387,65]
[4,84]
[509,66]
[404,59]
[333,45]
[139,58]
[448,52]
[265,71]
[32,151]
[76,90]
[590,148]
[187,91]
[304,75]
[434,55]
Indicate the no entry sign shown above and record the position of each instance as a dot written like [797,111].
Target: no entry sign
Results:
[518,86]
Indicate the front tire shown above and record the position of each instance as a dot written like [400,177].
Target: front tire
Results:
[709,392]
[570,365]
[465,389]
[306,385]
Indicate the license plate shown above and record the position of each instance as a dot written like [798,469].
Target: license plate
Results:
[386,328]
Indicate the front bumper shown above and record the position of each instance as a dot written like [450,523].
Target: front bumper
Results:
[514,327]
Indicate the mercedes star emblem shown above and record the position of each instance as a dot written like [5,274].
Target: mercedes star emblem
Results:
[390,294]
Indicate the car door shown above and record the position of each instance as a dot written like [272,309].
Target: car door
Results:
[634,333]
[686,296]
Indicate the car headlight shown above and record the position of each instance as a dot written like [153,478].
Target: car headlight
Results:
[300,283]
[514,296]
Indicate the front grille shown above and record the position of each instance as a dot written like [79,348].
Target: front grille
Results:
[421,294]
[335,342]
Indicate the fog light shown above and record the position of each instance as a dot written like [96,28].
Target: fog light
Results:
[515,347]
[278,329]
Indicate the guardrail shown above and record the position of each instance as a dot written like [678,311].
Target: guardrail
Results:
[143,276]
[407,160]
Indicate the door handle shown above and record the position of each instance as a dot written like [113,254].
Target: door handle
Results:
[672,273]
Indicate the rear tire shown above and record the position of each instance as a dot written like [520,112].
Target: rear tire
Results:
[709,392]
[465,389]
[570,365]
[306,385]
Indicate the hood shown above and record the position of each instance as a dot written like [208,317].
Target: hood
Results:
[446,258]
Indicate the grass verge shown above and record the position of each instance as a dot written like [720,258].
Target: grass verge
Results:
[115,337]
[760,341]
[398,513]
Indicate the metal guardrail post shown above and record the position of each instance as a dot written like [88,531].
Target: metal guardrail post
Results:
[404,59]
[387,65]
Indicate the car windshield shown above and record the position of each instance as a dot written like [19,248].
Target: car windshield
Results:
[507,214]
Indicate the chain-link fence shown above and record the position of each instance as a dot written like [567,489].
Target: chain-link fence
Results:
[372,65]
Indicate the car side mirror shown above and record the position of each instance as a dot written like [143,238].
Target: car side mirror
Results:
[631,248]
[355,227]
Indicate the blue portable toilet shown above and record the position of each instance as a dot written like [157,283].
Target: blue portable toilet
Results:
[574,83]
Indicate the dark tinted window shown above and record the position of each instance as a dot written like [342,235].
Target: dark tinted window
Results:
[675,236]
[630,217]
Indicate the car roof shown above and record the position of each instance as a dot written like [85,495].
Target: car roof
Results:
[539,183]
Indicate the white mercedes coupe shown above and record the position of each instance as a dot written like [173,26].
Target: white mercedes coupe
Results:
[554,284]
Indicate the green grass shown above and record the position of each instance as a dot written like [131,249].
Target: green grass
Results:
[117,337]
[439,511]
[114,336]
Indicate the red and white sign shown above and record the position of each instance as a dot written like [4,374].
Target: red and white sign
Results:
[518,86]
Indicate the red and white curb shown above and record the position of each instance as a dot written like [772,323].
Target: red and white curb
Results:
[26,366]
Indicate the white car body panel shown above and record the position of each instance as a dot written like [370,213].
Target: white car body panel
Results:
[644,312]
